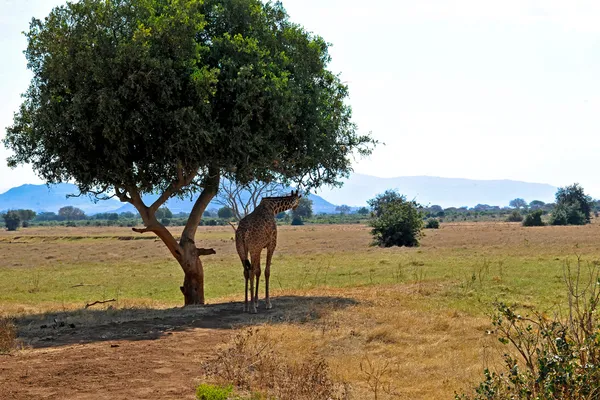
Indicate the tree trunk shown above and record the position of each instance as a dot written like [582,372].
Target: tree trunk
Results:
[185,252]
[193,281]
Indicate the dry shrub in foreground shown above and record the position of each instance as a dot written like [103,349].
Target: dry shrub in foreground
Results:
[8,335]
[252,363]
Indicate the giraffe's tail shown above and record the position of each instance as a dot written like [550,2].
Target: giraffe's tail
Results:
[247,265]
[233,226]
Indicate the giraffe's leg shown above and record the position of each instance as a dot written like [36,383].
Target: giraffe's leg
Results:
[246,277]
[255,261]
[270,251]
[257,273]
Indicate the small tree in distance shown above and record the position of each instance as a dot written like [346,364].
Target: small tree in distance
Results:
[12,220]
[225,213]
[71,213]
[396,222]
[518,203]
[573,206]
[304,209]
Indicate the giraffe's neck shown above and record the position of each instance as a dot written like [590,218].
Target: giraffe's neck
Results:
[279,205]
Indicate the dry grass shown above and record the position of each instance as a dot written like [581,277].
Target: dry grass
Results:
[392,334]
[8,336]
[418,330]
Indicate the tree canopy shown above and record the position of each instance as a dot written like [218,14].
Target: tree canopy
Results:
[147,94]
[131,97]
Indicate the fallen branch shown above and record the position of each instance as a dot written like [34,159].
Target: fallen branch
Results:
[99,302]
[139,230]
[83,284]
[233,226]
[205,252]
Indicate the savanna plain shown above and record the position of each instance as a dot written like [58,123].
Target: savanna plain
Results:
[407,323]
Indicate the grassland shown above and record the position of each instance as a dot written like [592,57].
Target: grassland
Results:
[419,315]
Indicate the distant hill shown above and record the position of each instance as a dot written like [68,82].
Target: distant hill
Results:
[43,198]
[447,192]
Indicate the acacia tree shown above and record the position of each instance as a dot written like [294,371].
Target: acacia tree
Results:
[132,97]
[243,199]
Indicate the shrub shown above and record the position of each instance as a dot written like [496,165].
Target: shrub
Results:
[558,358]
[432,223]
[165,221]
[534,219]
[12,220]
[396,222]
[515,216]
[297,221]
[212,392]
[8,335]
[567,214]
[252,363]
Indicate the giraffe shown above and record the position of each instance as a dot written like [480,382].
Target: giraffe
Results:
[256,231]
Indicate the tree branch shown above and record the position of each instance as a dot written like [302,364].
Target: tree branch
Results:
[183,180]
[211,187]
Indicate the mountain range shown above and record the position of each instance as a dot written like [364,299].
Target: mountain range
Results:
[43,198]
[447,192]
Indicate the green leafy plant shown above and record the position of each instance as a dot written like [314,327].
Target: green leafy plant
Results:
[12,220]
[534,218]
[396,221]
[212,392]
[514,216]
[432,223]
[553,357]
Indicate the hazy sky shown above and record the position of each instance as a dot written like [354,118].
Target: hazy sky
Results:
[480,89]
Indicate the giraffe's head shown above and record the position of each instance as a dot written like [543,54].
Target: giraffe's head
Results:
[283,203]
[295,199]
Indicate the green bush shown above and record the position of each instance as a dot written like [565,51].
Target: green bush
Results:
[432,223]
[212,392]
[12,220]
[568,214]
[515,216]
[396,222]
[552,357]
[165,221]
[297,221]
[534,219]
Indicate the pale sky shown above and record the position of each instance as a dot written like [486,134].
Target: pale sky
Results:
[479,89]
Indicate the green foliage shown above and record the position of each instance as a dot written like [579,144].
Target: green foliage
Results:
[26,215]
[382,200]
[225,213]
[71,213]
[165,221]
[304,209]
[164,212]
[514,216]
[555,358]
[567,214]
[297,221]
[363,211]
[396,222]
[12,220]
[432,223]
[137,93]
[573,206]
[211,392]
[343,209]
[534,218]
[518,203]
[535,204]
